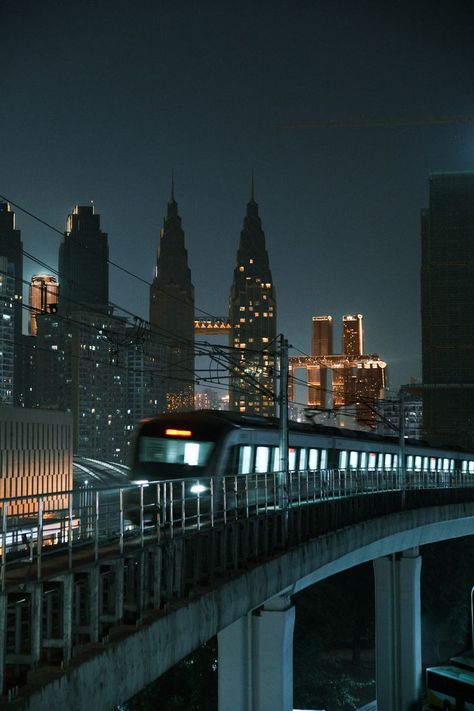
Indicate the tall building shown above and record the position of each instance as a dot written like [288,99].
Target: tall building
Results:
[447,305]
[172,314]
[83,261]
[43,298]
[252,313]
[345,380]
[352,335]
[11,290]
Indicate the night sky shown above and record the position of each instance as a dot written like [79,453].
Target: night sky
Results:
[102,100]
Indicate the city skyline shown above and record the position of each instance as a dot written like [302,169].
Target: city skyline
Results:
[341,206]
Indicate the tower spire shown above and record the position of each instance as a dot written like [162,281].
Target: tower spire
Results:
[172,187]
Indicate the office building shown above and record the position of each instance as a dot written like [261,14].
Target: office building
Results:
[172,314]
[352,335]
[83,262]
[447,305]
[252,314]
[11,291]
[43,298]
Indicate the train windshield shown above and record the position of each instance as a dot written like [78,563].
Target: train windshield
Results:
[167,450]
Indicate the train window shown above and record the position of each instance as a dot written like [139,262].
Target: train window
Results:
[425,464]
[432,464]
[451,465]
[395,461]
[464,466]
[410,463]
[276,459]
[343,459]
[363,460]
[324,459]
[418,463]
[173,451]
[353,460]
[445,465]
[313,459]
[292,459]
[440,464]
[388,461]
[372,461]
[471,467]
[302,462]
[245,459]
[380,461]
[261,459]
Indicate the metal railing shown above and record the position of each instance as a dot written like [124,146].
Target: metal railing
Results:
[87,523]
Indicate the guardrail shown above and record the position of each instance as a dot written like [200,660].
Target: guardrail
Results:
[110,518]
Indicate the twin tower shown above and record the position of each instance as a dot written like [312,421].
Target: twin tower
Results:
[251,318]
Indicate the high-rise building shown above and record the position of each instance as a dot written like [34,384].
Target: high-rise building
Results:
[321,344]
[172,314]
[43,298]
[252,313]
[447,304]
[352,335]
[11,290]
[83,262]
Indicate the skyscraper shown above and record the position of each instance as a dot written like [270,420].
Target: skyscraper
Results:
[43,298]
[172,314]
[252,313]
[447,305]
[11,290]
[83,262]
[321,344]
[352,335]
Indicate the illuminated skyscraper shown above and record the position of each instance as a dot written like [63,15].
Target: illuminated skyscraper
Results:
[83,262]
[172,314]
[43,298]
[447,305]
[11,289]
[252,313]
[352,335]
[321,344]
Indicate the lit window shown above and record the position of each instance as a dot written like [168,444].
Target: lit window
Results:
[261,460]
[241,269]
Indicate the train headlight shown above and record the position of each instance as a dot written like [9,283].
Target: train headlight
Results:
[198,489]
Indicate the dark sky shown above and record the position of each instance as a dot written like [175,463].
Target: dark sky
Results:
[101,100]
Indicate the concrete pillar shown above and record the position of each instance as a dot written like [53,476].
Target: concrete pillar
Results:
[255,670]
[398,631]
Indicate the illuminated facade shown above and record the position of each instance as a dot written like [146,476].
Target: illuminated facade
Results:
[337,381]
[172,315]
[352,335]
[43,298]
[35,457]
[252,313]
[83,262]
[447,305]
[11,290]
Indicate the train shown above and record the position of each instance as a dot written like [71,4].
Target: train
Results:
[196,445]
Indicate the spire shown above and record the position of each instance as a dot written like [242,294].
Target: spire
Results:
[172,187]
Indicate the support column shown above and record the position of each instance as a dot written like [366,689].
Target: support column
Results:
[255,670]
[398,631]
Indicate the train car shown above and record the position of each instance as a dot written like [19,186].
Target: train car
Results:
[197,446]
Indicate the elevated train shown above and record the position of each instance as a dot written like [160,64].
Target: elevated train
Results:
[205,443]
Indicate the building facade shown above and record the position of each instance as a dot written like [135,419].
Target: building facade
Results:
[43,298]
[11,293]
[252,314]
[447,304]
[172,315]
[83,261]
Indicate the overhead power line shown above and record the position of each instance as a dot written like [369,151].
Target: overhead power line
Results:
[377,123]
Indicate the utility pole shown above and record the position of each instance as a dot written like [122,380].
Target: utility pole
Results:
[283,413]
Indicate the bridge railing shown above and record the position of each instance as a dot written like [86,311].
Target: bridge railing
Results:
[90,521]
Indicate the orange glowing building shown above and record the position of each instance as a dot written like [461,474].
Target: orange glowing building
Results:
[43,298]
[345,379]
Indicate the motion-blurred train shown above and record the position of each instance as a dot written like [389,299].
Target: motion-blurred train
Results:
[209,443]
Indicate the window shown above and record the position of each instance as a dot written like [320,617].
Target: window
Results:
[353,460]
[291,459]
[372,461]
[313,459]
[261,460]
[324,459]
[388,461]
[343,460]
[245,459]
[363,460]
[302,462]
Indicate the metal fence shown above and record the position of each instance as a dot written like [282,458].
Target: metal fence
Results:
[94,521]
